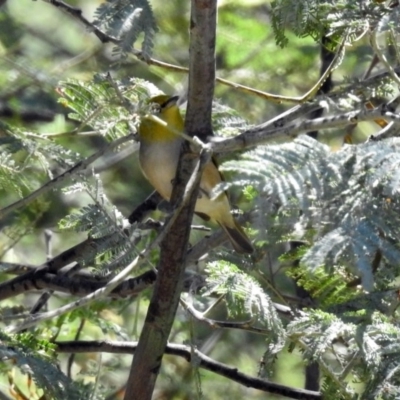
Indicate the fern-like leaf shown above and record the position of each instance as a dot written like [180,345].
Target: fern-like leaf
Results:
[27,353]
[126,20]
[243,295]
[339,202]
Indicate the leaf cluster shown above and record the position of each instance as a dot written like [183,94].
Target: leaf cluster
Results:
[126,20]
[331,18]
[29,355]
[343,204]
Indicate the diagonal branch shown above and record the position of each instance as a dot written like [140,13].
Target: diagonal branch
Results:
[82,284]
[261,134]
[84,251]
[189,193]
[80,166]
[153,339]
[47,276]
[164,302]
[77,14]
[34,319]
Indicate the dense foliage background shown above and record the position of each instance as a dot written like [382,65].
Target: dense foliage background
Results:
[314,307]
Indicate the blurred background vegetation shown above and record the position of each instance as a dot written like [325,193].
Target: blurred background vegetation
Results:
[39,47]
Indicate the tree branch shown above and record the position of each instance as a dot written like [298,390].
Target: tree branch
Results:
[32,320]
[150,204]
[171,267]
[77,14]
[153,339]
[261,135]
[86,250]
[203,19]
[83,284]
[46,276]
[190,354]
[80,166]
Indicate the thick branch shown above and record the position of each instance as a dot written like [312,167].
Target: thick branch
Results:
[203,19]
[164,302]
[46,276]
[34,319]
[84,250]
[153,339]
[81,284]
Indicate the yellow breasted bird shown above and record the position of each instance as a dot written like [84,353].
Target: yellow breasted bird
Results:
[159,154]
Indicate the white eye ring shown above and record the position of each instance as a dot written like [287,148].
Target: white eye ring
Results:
[155,108]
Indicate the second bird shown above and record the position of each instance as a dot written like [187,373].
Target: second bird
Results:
[159,155]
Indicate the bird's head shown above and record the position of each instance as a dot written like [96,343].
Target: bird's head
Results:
[164,101]
[164,120]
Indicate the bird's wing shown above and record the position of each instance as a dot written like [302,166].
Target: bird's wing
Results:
[213,179]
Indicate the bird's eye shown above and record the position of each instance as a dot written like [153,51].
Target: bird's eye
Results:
[155,108]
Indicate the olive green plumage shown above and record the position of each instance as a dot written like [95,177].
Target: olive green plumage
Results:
[159,154]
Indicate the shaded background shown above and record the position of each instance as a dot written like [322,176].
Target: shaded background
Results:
[40,46]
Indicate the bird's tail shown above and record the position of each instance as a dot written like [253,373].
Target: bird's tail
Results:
[240,242]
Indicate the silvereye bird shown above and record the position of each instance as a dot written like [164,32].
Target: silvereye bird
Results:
[159,155]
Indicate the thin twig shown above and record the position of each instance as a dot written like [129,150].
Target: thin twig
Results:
[113,283]
[80,166]
[245,325]
[382,57]
[71,358]
[76,13]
